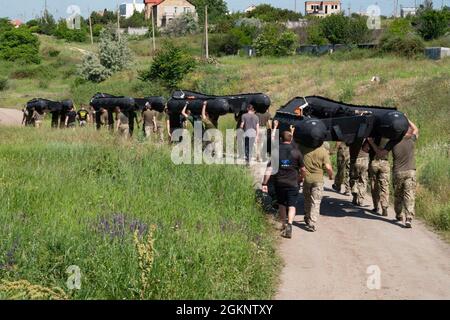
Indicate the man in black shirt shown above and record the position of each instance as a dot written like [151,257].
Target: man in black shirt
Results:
[71,118]
[291,171]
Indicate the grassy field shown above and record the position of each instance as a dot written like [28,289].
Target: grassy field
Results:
[76,198]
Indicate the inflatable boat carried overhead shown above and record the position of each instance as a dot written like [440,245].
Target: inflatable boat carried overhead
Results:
[219,105]
[44,105]
[317,119]
[110,102]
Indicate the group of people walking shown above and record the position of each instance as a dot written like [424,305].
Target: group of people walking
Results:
[360,165]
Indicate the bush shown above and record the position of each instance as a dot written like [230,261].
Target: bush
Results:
[3,84]
[224,44]
[408,46]
[339,29]
[114,53]
[75,35]
[19,45]
[314,34]
[275,40]
[400,27]
[170,65]
[432,24]
[182,25]
[92,70]
[268,13]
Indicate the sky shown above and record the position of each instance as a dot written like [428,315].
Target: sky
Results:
[27,9]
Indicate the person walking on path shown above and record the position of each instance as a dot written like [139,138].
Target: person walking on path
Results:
[343,169]
[250,125]
[291,171]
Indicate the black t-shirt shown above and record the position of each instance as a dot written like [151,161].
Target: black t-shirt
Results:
[175,121]
[72,115]
[83,115]
[290,162]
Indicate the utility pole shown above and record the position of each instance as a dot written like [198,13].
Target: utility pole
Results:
[45,11]
[90,28]
[118,21]
[153,32]
[206,33]
[295,5]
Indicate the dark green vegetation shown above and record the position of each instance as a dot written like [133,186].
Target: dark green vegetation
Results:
[76,198]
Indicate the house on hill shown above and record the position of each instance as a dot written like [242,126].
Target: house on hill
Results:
[165,11]
[322,8]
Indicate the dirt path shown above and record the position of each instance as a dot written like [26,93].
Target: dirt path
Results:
[333,262]
[10,117]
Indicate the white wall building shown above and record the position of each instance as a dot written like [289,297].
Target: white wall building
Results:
[127,9]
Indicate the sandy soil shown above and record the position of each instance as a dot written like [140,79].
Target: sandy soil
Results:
[10,117]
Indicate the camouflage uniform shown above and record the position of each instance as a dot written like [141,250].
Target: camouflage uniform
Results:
[405,193]
[312,193]
[379,173]
[343,167]
[315,161]
[359,167]
[405,178]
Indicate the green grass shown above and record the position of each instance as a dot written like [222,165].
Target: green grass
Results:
[59,188]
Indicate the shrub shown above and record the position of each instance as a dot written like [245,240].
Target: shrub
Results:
[339,29]
[75,35]
[275,40]
[400,27]
[114,53]
[3,84]
[224,44]
[19,45]
[268,13]
[92,70]
[170,65]
[181,26]
[408,46]
[314,34]
[432,24]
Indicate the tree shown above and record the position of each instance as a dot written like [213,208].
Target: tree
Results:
[268,13]
[137,20]
[71,35]
[170,65]
[217,9]
[400,27]
[432,24]
[46,24]
[275,40]
[339,29]
[5,25]
[182,25]
[19,45]
[114,53]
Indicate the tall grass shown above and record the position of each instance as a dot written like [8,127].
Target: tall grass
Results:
[77,198]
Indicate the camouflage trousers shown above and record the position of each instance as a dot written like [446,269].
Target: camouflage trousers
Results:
[379,175]
[405,193]
[358,178]
[312,193]
[343,170]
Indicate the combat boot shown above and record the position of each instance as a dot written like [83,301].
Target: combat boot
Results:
[336,188]
[408,223]
[311,228]
[287,232]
